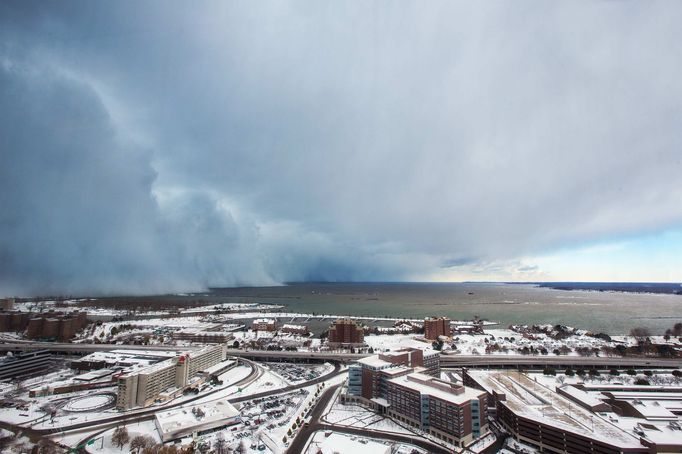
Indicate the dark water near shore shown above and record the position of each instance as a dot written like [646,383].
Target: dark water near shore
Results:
[609,312]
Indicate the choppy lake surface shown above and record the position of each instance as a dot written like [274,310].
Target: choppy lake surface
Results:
[609,312]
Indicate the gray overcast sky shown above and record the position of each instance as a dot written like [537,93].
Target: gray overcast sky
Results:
[164,146]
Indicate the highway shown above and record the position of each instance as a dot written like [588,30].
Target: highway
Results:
[447,361]
[67,347]
[458,361]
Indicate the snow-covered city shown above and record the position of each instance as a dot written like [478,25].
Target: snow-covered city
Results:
[252,377]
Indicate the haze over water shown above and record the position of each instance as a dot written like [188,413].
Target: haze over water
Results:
[609,312]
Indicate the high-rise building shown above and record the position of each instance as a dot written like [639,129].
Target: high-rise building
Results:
[345,332]
[436,327]
[141,387]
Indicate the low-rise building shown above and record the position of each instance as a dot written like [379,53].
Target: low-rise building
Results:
[201,335]
[294,329]
[264,324]
[25,364]
[196,419]
[581,418]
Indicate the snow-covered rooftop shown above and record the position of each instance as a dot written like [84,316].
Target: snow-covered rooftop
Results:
[534,401]
[426,384]
[197,415]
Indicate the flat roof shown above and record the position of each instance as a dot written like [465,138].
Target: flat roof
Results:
[94,374]
[439,393]
[218,367]
[581,396]
[536,402]
[188,417]
[374,361]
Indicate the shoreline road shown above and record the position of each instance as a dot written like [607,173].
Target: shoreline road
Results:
[299,442]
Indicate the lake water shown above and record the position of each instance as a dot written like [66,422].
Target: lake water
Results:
[613,313]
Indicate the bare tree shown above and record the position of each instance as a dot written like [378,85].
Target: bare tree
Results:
[640,334]
[140,442]
[168,449]
[46,446]
[220,443]
[120,437]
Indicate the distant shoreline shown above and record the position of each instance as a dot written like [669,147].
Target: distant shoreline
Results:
[613,287]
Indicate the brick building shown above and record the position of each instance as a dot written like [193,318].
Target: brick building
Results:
[54,325]
[368,376]
[346,332]
[435,327]
[451,412]
[264,324]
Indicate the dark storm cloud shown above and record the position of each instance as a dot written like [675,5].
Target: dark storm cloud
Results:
[150,146]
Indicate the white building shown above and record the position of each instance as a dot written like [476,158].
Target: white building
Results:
[187,421]
[143,386]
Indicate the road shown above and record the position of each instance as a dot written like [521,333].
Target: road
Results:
[447,361]
[140,415]
[64,347]
[298,443]
[149,414]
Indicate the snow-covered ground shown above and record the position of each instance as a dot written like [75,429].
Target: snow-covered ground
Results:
[333,443]
[384,342]
[518,447]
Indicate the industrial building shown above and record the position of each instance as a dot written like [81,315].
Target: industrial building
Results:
[345,332]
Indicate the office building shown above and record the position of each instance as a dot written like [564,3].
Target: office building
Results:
[367,377]
[450,412]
